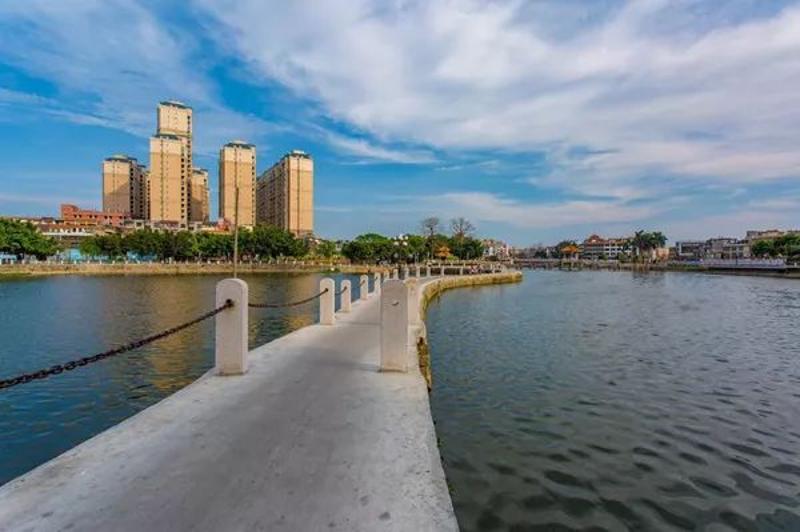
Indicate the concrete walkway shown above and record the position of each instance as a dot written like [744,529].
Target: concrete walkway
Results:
[313,437]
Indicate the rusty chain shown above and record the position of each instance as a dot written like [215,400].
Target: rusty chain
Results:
[80,362]
[284,305]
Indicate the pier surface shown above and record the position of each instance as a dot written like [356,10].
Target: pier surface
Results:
[313,437]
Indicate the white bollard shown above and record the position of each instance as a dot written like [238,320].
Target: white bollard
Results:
[461,271]
[326,301]
[363,286]
[376,280]
[417,271]
[394,326]
[395,275]
[427,271]
[231,328]
[346,297]
[405,272]
[412,287]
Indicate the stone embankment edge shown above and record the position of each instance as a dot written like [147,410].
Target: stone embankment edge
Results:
[433,289]
[177,269]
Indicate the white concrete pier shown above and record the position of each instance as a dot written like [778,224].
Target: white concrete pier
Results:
[313,436]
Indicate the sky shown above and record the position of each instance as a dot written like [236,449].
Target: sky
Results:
[537,120]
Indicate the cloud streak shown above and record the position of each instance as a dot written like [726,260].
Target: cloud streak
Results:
[656,86]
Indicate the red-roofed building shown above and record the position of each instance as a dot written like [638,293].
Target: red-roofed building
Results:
[76,215]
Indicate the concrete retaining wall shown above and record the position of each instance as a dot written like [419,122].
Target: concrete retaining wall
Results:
[432,289]
[177,268]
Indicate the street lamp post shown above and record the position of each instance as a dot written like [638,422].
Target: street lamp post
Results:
[236,232]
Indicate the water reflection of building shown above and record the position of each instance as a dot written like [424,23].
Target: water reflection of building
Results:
[161,302]
[268,324]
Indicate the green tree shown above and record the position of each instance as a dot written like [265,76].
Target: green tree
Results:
[22,238]
[215,245]
[325,248]
[644,241]
[370,247]
[89,247]
[144,242]
[466,248]
[270,241]
[763,248]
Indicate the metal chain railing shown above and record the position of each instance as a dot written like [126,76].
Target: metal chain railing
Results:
[80,362]
[290,304]
[342,291]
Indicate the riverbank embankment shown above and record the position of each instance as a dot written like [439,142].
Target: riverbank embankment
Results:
[312,437]
[432,289]
[179,268]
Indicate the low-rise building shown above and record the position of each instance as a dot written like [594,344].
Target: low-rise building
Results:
[690,249]
[76,215]
[713,248]
[769,234]
[598,248]
[496,248]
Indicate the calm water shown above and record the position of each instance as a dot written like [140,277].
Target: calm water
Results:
[611,401]
[51,320]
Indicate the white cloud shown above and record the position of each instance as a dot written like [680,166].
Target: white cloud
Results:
[485,207]
[374,153]
[115,61]
[672,88]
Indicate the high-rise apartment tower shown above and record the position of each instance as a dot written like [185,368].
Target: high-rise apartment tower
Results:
[171,164]
[285,194]
[199,208]
[125,186]
[237,175]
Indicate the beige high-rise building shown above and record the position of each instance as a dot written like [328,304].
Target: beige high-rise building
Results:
[168,180]
[171,163]
[142,196]
[122,185]
[199,196]
[237,169]
[285,194]
[125,187]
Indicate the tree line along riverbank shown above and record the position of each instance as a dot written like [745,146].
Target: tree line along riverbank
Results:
[177,268]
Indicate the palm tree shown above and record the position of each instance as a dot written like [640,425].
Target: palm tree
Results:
[644,241]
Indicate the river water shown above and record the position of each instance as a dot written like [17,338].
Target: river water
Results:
[614,401]
[45,321]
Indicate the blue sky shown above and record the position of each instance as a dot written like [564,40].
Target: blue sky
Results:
[536,120]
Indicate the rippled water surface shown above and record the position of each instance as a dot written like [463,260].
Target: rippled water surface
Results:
[45,321]
[611,401]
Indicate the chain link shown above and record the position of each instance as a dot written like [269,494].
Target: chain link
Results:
[284,305]
[342,291]
[80,362]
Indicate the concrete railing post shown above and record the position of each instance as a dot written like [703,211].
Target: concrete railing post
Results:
[427,271]
[417,271]
[363,287]
[346,296]
[377,281]
[412,288]
[461,271]
[231,328]
[395,274]
[394,326]
[326,301]
[405,272]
